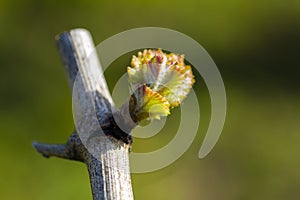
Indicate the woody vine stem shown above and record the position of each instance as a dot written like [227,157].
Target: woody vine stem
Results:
[158,82]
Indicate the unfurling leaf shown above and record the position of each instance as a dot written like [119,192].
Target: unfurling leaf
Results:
[149,104]
[158,82]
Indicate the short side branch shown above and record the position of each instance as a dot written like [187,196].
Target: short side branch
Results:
[49,150]
[70,150]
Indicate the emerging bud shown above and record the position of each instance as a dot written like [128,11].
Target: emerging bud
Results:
[158,82]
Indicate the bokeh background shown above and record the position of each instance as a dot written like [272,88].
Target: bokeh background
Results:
[255,44]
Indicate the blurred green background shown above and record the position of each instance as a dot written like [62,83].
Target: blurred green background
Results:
[255,44]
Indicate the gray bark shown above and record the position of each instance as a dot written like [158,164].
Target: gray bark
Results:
[108,168]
